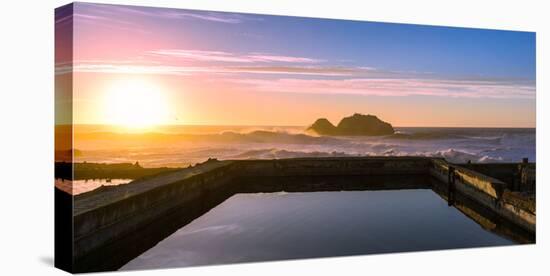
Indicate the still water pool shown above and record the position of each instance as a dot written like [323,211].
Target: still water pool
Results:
[76,187]
[278,226]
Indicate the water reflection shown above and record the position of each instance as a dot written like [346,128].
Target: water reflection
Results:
[276,226]
[76,187]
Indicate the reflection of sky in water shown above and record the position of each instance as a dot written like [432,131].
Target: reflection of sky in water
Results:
[274,226]
[76,187]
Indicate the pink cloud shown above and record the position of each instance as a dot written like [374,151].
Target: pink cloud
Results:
[127,69]
[351,80]
[220,56]
[155,67]
[201,55]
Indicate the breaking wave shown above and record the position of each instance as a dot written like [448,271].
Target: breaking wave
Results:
[451,155]
[263,136]
[282,153]
[455,145]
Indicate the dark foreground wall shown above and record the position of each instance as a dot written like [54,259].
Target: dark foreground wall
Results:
[114,224]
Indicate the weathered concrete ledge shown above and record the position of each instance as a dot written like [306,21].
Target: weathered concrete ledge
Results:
[112,218]
[488,191]
[518,177]
[78,171]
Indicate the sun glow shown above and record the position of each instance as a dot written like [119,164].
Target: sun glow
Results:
[135,104]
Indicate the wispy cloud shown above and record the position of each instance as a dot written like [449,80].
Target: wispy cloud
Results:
[220,17]
[105,20]
[274,58]
[271,72]
[464,88]
[295,70]
[312,70]
[215,17]
[158,69]
[352,81]
[220,56]
[155,67]
[108,22]
[127,69]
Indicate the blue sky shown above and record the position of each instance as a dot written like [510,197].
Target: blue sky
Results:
[443,50]
[282,57]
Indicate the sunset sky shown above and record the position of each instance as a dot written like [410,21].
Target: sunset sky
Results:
[170,66]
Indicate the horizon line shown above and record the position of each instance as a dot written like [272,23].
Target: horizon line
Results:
[282,125]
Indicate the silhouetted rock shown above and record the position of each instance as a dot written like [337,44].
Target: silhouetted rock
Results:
[359,124]
[323,127]
[356,125]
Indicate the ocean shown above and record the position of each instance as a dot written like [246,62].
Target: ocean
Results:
[176,146]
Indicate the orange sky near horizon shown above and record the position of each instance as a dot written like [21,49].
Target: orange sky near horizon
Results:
[191,101]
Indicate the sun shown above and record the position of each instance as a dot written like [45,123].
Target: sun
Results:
[135,104]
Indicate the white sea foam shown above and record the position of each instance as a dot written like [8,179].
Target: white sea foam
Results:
[454,144]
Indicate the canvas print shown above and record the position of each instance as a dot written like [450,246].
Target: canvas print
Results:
[188,138]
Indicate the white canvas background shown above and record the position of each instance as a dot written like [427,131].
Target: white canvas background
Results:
[26,135]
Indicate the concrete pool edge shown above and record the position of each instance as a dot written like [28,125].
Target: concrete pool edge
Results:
[128,209]
[488,191]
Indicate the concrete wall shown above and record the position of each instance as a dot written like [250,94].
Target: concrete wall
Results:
[505,172]
[489,192]
[106,216]
[97,228]
[528,175]
[335,166]
[124,220]
[517,176]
